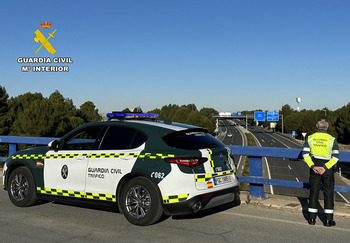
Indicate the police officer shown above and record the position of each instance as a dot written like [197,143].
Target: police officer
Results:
[321,153]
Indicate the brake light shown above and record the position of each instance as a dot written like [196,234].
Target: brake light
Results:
[188,161]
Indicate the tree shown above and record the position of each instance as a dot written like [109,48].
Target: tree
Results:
[286,110]
[293,123]
[33,115]
[208,112]
[181,114]
[126,110]
[4,124]
[89,112]
[62,109]
[194,118]
[19,108]
[168,111]
[342,124]
[4,129]
[34,120]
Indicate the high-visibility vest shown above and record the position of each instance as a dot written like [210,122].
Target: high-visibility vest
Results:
[321,145]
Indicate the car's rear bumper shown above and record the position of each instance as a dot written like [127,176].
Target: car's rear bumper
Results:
[203,202]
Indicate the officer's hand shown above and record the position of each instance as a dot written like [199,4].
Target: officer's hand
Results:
[321,170]
[316,170]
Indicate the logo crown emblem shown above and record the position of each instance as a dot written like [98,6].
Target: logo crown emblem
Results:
[45,25]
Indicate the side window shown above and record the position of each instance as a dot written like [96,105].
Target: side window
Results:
[84,140]
[118,137]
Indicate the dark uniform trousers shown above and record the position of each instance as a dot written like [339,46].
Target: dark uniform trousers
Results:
[327,180]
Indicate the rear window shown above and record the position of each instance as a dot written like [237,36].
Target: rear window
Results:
[192,139]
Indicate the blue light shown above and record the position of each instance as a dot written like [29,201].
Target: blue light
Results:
[132,115]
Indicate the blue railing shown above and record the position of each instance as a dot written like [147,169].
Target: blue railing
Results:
[256,180]
[255,155]
[13,142]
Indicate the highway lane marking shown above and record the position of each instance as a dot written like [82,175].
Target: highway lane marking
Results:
[284,221]
[240,157]
[297,179]
[267,164]
[279,141]
[289,167]
[343,197]
[296,143]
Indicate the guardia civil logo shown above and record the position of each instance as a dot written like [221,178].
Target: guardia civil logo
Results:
[44,43]
[64,171]
[43,40]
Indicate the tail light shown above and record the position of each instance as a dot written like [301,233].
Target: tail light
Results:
[189,162]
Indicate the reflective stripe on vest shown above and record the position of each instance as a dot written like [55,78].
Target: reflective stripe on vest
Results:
[321,145]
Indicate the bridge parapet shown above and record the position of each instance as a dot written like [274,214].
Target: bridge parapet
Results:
[256,180]
[13,142]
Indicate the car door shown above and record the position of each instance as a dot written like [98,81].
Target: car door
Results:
[65,169]
[116,156]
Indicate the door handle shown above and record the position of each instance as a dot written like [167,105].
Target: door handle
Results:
[79,157]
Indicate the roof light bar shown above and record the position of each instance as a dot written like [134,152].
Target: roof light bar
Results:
[141,116]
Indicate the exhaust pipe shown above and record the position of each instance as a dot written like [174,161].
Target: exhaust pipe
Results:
[196,207]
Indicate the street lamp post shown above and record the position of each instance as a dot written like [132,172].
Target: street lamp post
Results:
[282,124]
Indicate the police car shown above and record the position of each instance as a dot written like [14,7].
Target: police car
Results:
[146,168]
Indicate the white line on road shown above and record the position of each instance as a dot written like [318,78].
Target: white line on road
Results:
[343,197]
[279,141]
[267,164]
[240,157]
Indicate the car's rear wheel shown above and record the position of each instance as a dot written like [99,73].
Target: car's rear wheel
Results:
[141,203]
[21,187]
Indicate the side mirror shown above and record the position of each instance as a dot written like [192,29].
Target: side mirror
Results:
[53,145]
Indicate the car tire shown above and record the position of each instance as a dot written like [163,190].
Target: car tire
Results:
[140,202]
[21,187]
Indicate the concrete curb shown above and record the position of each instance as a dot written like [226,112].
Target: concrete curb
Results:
[291,204]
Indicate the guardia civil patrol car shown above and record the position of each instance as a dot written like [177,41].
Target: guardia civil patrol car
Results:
[146,168]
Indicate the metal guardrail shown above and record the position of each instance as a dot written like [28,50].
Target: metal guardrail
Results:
[255,155]
[13,142]
[256,180]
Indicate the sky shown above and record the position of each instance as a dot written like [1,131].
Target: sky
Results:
[230,55]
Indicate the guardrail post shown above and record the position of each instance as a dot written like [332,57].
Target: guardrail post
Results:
[12,148]
[256,170]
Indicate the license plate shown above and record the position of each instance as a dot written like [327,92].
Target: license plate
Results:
[222,180]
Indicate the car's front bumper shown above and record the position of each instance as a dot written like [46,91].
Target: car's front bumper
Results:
[204,201]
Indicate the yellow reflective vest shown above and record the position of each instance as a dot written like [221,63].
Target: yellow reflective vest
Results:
[321,145]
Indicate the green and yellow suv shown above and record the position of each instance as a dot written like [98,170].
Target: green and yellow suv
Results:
[146,168]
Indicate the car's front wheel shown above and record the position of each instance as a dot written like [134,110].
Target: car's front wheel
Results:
[21,187]
[141,203]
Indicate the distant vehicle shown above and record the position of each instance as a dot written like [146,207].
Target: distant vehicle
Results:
[145,168]
[229,135]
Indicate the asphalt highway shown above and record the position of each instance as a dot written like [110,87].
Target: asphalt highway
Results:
[57,222]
